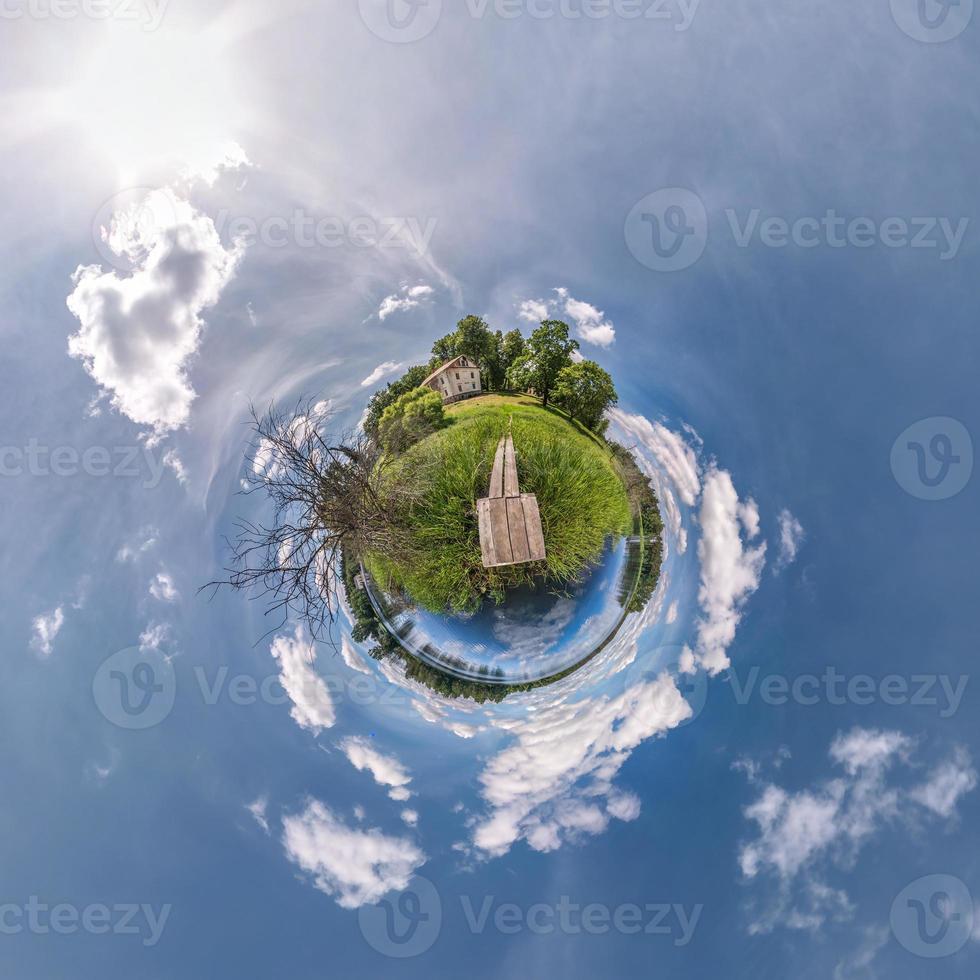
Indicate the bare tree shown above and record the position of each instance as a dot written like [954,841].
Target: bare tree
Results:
[330,495]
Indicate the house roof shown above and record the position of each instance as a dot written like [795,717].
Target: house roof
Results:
[445,367]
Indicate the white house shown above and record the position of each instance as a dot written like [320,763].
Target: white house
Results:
[456,379]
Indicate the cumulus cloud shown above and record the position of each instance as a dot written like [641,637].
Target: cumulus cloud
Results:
[670,449]
[138,332]
[791,537]
[354,866]
[386,769]
[407,298]
[46,628]
[312,704]
[162,587]
[730,570]
[154,636]
[802,836]
[589,322]
[389,367]
[533,311]
[554,783]
[410,817]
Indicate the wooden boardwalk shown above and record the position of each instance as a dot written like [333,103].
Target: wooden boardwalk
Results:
[510,523]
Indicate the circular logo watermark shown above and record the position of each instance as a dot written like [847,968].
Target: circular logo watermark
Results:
[932,21]
[933,917]
[401,21]
[406,924]
[135,688]
[667,230]
[933,458]
[129,223]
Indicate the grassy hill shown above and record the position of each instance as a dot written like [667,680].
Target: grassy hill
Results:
[580,494]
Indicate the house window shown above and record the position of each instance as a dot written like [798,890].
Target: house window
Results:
[473,386]
[472,375]
[457,375]
[460,388]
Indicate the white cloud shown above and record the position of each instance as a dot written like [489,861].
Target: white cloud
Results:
[410,817]
[533,311]
[389,367]
[730,571]
[312,704]
[139,331]
[857,965]
[554,783]
[951,780]
[791,537]
[143,541]
[672,452]
[162,587]
[386,769]
[357,867]
[407,298]
[213,161]
[259,810]
[46,627]
[801,836]
[589,322]
[671,613]
[154,635]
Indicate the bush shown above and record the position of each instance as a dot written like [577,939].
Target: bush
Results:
[411,417]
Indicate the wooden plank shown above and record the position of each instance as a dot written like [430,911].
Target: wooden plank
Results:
[518,535]
[510,470]
[499,530]
[486,533]
[497,473]
[532,524]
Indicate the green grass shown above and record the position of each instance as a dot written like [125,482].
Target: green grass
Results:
[580,494]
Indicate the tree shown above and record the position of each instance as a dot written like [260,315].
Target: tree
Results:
[409,418]
[329,495]
[548,350]
[511,348]
[585,391]
[380,400]
[473,338]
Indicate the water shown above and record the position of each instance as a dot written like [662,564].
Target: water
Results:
[535,634]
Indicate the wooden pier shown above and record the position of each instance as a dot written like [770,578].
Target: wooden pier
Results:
[510,523]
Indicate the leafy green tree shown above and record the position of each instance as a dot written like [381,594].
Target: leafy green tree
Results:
[380,400]
[410,417]
[585,391]
[511,348]
[547,352]
[473,338]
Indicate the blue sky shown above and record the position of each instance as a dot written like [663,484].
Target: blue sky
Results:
[774,768]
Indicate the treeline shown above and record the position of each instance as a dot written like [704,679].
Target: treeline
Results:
[648,523]
[546,364]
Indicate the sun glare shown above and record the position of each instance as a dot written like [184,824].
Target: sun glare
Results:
[147,99]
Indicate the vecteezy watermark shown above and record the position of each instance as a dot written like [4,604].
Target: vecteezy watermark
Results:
[668,230]
[404,21]
[933,458]
[136,689]
[678,13]
[117,462]
[147,13]
[400,21]
[405,925]
[837,689]
[932,21]
[409,923]
[933,916]
[305,230]
[64,919]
